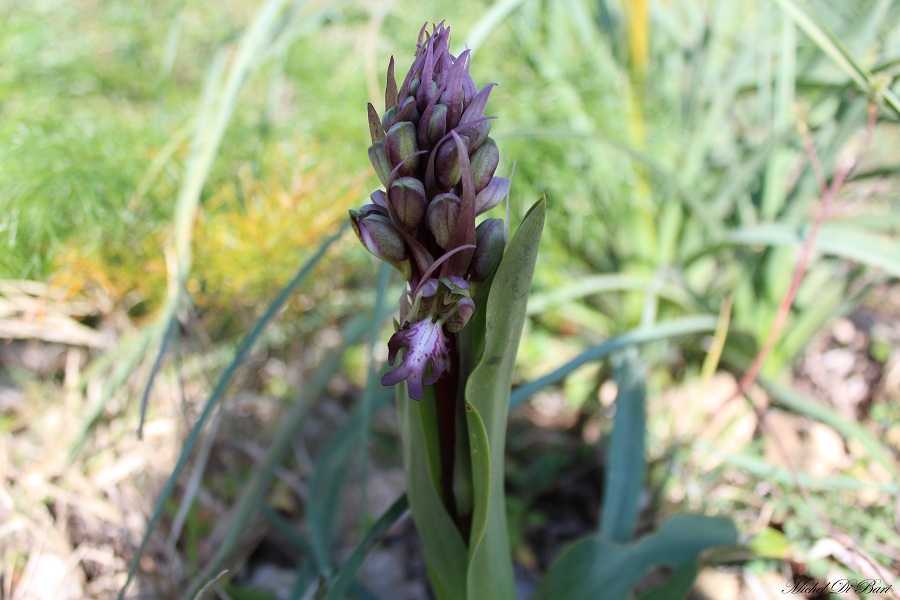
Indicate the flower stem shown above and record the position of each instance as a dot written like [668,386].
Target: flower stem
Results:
[446,391]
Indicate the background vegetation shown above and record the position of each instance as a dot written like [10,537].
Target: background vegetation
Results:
[722,186]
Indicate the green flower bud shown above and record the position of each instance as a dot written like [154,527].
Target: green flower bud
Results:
[378,235]
[441,217]
[389,118]
[401,143]
[414,86]
[489,245]
[447,171]
[437,124]
[407,196]
[484,163]
[378,158]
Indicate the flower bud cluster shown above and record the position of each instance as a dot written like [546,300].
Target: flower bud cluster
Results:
[432,152]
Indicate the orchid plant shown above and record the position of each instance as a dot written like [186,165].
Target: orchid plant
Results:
[461,312]
[460,320]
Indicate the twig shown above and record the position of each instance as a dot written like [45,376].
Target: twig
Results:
[828,194]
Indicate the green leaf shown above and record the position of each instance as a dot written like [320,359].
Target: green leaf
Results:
[445,549]
[487,408]
[594,567]
[770,543]
[481,568]
[832,45]
[625,463]
[839,240]
[677,587]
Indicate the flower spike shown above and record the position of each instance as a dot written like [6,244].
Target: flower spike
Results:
[423,220]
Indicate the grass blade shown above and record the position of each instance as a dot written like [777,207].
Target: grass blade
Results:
[254,490]
[329,478]
[641,335]
[216,395]
[832,45]
[840,240]
[345,577]
[786,398]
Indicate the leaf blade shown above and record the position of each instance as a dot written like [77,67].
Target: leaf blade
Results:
[487,395]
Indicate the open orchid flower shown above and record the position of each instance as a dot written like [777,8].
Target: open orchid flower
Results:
[432,152]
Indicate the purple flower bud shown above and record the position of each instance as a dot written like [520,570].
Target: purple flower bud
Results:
[378,199]
[442,215]
[432,150]
[489,245]
[454,94]
[477,133]
[378,158]
[492,195]
[473,123]
[401,143]
[426,344]
[408,110]
[407,196]
[426,92]
[484,163]
[379,237]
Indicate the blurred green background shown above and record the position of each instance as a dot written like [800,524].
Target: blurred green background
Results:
[167,167]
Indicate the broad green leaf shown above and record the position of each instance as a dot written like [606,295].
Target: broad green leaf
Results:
[487,407]
[625,463]
[677,587]
[594,567]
